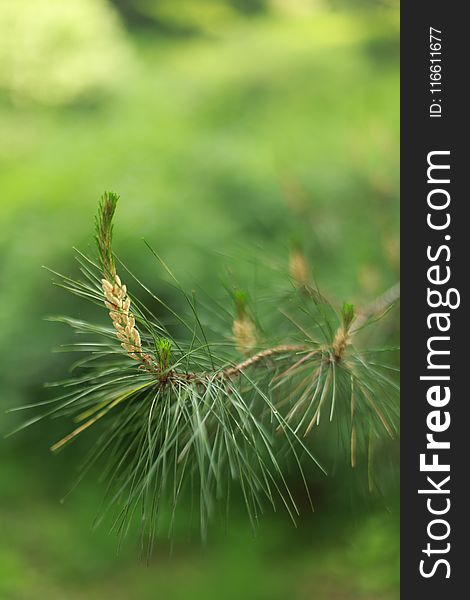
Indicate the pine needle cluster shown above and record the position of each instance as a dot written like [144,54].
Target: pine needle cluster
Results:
[191,415]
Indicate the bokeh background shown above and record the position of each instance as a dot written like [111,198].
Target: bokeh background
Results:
[228,127]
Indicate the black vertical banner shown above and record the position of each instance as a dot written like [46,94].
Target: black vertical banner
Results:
[435,251]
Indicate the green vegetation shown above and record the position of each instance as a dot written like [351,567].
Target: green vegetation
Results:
[225,147]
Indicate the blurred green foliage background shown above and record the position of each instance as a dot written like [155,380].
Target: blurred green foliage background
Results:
[227,126]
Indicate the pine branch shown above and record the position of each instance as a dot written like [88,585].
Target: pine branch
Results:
[194,414]
[379,306]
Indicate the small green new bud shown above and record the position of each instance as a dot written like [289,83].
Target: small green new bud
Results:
[241,300]
[347,314]
[163,350]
